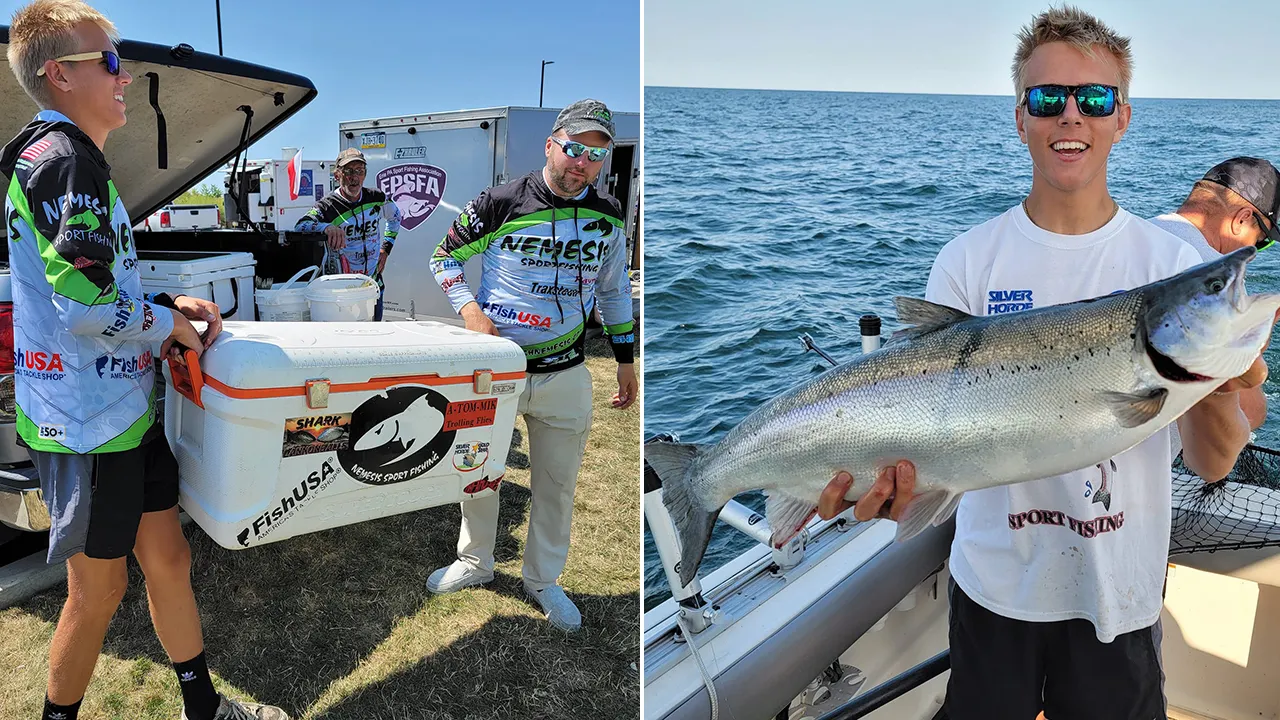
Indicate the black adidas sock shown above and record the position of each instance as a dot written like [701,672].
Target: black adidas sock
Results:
[198,695]
[60,712]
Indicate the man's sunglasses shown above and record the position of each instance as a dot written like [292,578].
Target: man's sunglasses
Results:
[1269,235]
[576,149]
[110,60]
[1093,100]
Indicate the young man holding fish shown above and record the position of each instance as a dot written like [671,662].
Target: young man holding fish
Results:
[1063,617]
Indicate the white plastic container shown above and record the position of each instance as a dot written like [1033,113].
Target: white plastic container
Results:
[287,301]
[289,428]
[224,278]
[348,297]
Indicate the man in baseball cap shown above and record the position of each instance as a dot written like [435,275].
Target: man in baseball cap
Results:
[1257,182]
[568,257]
[349,220]
[1234,205]
[585,116]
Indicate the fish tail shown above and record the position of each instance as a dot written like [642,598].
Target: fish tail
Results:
[1104,497]
[673,462]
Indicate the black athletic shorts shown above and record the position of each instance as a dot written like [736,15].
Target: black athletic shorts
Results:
[1005,669]
[96,501]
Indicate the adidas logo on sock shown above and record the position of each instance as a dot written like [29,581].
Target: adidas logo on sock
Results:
[57,716]
[188,676]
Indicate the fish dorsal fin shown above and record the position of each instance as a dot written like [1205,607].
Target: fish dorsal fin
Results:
[1133,410]
[924,317]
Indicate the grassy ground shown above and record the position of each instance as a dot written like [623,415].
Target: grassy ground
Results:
[339,625]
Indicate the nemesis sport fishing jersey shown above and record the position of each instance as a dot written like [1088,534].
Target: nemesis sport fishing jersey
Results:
[359,220]
[547,260]
[82,330]
[1090,544]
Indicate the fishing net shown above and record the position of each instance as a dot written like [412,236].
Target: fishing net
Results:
[1240,512]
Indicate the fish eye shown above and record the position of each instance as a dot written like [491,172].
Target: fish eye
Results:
[1215,285]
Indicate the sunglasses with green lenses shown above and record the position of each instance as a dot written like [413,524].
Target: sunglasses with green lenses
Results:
[1093,100]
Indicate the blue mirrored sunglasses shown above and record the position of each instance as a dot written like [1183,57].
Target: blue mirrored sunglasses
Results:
[1093,100]
[110,60]
[576,149]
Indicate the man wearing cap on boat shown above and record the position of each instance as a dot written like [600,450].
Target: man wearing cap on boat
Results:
[553,250]
[349,220]
[1236,204]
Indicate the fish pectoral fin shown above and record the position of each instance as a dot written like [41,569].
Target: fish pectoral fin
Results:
[929,508]
[924,316]
[787,516]
[1132,409]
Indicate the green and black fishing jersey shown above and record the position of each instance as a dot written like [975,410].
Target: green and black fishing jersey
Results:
[82,329]
[547,261]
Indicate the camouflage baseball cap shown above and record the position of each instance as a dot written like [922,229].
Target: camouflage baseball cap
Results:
[350,155]
[585,116]
[1255,180]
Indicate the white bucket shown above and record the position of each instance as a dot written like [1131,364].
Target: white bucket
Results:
[342,298]
[286,302]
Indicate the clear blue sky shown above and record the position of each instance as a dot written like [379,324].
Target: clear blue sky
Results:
[1204,49]
[377,58]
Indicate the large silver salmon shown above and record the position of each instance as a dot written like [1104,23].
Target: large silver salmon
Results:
[977,402]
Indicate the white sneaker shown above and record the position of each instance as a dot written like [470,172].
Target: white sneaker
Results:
[559,608]
[456,576]
[229,709]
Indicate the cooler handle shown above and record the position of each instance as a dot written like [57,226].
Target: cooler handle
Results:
[188,380]
[235,300]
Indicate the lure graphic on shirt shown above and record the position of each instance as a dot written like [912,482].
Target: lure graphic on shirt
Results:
[1104,490]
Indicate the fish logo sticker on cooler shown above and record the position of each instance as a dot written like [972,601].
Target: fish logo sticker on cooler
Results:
[415,188]
[398,435]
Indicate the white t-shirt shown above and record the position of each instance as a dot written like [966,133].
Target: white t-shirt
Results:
[1050,549]
[1186,230]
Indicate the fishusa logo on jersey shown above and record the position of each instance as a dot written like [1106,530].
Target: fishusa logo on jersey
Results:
[118,368]
[519,316]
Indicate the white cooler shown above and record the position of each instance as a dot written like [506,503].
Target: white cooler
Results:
[226,278]
[289,428]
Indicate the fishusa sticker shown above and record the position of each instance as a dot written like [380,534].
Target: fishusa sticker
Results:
[287,506]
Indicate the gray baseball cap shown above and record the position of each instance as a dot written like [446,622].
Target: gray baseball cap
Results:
[585,116]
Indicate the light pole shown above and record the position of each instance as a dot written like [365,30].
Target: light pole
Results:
[543,83]
[218,9]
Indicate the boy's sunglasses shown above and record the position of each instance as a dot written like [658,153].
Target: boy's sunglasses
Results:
[576,149]
[1093,100]
[109,60]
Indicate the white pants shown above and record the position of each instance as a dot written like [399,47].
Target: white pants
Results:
[557,410]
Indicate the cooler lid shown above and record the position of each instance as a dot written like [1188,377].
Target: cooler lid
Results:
[265,355]
[164,264]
